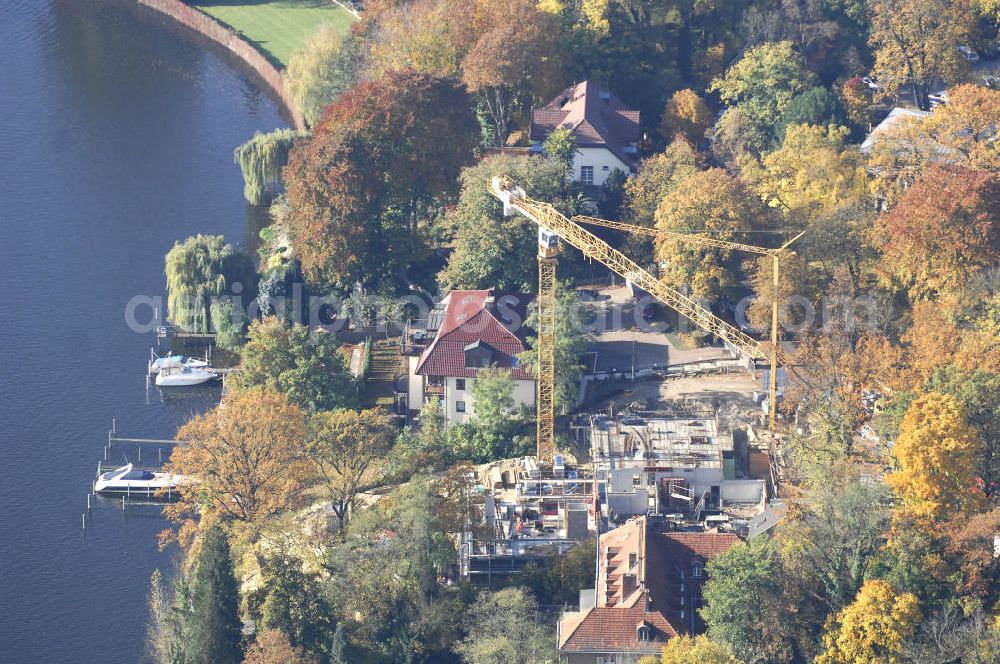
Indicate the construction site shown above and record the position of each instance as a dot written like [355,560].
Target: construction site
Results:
[677,460]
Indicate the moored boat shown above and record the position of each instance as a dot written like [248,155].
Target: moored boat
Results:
[181,376]
[127,480]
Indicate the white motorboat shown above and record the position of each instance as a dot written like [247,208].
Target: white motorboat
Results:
[181,376]
[125,480]
[157,364]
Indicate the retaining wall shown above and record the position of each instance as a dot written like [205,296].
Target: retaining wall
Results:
[214,31]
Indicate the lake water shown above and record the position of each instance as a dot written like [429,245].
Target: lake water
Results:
[116,139]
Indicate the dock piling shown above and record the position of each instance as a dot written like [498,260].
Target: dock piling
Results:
[84,520]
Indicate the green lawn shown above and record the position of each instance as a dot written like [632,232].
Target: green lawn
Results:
[276,27]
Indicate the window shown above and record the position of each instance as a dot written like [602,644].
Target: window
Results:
[696,570]
[605,168]
[636,480]
[459,406]
[460,384]
[587,174]
[643,633]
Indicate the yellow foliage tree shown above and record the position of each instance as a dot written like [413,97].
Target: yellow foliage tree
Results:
[706,201]
[914,43]
[686,114]
[936,455]
[967,126]
[811,174]
[872,629]
[687,649]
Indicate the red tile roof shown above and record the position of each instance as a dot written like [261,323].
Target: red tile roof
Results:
[605,629]
[595,115]
[475,315]
[661,556]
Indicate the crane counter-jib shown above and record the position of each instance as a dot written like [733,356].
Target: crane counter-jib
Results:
[546,216]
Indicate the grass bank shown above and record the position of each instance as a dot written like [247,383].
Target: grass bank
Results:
[276,28]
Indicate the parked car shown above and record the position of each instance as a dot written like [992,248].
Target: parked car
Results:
[968,53]
[938,98]
[870,82]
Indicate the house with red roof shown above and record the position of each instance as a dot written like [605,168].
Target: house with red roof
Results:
[648,590]
[607,132]
[466,332]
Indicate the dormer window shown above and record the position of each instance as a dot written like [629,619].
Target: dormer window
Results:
[696,570]
[479,354]
[642,633]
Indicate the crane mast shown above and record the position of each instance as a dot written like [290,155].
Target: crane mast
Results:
[554,226]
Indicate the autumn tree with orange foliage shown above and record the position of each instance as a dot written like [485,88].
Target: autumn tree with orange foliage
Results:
[502,50]
[944,229]
[936,454]
[358,188]
[273,647]
[241,461]
[686,114]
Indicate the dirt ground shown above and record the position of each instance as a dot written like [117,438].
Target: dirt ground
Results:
[732,394]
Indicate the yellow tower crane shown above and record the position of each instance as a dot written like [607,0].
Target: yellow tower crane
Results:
[706,241]
[553,227]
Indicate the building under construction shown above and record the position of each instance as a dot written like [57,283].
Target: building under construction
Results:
[678,461]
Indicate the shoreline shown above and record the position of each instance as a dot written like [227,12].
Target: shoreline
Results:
[191,20]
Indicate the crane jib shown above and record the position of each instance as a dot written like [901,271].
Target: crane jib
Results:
[546,216]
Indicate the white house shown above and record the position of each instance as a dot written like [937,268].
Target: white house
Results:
[467,331]
[607,132]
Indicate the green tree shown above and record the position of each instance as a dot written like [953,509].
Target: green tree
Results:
[560,146]
[339,650]
[838,530]
[200,268]
[261,159]
[346,447]
[558,580]
[572,340]
[815,106]
[308,368]
[761,86]
[230,324]
[504,629]
[293,602]
[492,393]
[329,63]
[491,250]
[384,579]
[214,622]
[740,583]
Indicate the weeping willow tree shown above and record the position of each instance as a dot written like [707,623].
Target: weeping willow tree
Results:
[261,160]
[201,269]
